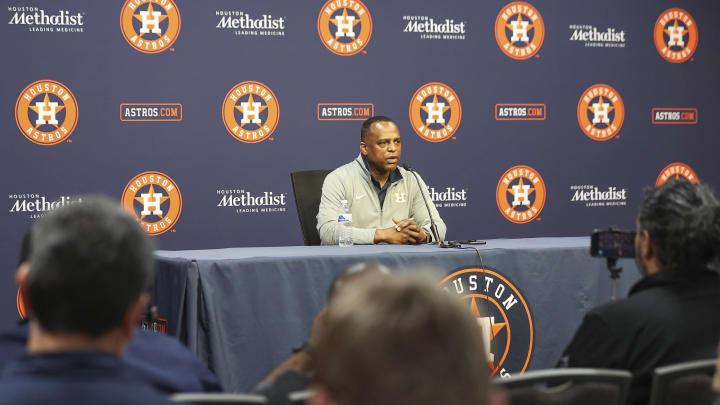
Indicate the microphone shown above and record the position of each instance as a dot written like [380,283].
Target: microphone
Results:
[433,227]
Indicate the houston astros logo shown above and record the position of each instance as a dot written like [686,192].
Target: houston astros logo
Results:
[344,26]
[150,26]
[46,112]
[520,194]
[250,112]
[676,170]
[435,112]
[502,314]
[519,30]
[676,35]
[155,201]
[600,112]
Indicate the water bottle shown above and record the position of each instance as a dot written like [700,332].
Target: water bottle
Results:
[345,224]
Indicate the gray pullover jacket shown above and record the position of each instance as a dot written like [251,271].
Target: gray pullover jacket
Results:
[352,182]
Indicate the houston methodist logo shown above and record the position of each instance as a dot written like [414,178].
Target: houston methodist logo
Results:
[502,314]
[676,35]
[520,194]
[676,170]
[46,112]
[519,30]
[600,112]
[155,201]
[250,112]
[150,26]
[435,112]
[344,26]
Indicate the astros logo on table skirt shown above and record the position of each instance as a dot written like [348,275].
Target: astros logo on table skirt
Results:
[519,30]
[435,112]
[250,112]
[150,26]
[155,201]
[520,194]
[676,170]
[46,112]
[344,26]
[600,112]
[676,35]
[502,314]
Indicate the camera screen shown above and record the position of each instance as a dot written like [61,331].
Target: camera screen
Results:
[616,244]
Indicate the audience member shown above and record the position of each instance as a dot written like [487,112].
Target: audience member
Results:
[294,373]
[671,315]
[152,358]
[399,340]
[86,289]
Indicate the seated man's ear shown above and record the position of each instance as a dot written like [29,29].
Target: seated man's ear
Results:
[363,148]
[21,278]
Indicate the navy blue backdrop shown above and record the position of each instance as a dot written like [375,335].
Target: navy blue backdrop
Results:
[206,48]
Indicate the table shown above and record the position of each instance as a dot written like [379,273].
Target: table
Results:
[241,310]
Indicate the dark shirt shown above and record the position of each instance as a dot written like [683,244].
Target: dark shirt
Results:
[669,318]
[382,191]
[73,378]
[153,359]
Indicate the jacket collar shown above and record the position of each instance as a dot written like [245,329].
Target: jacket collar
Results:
[691,278]
[395,175]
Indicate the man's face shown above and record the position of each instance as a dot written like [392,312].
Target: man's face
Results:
[382,146]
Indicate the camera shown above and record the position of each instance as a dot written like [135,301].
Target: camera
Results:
[612,243]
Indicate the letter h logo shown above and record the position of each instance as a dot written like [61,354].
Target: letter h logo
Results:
[150,22]
[345,25]
[151,201]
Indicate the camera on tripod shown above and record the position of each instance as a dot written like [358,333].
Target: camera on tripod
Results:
[613,244]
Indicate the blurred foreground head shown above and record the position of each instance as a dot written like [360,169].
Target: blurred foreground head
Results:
[399,340]
[90,264]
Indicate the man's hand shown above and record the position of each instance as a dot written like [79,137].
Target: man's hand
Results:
[404,232]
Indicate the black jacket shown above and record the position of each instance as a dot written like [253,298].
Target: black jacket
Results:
[669,317]
[73,378]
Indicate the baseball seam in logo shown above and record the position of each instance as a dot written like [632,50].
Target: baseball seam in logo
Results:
[675,35]
[151,29]
[520,194]
[600,112]
[344,26]
[155,201]
[519,30]
[250,112]
[676,170]
[435,112]
[488,285]
[46,112]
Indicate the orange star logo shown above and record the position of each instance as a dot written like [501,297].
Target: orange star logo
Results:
[496,327]
[149,10]
[151,192]
[41,110]
[601,101]
[344,17]
[521,194]
[675,27]
[519,23]
[435,111]
[250,111]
